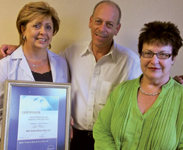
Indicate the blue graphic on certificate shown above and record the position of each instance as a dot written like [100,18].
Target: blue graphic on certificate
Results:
[37,122]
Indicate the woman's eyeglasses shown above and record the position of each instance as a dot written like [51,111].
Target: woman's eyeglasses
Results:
[160,55]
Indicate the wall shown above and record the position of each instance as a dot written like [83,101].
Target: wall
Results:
[74,15]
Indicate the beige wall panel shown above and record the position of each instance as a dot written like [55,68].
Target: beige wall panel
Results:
[74,15]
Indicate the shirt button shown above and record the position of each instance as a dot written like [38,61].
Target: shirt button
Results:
[138,132]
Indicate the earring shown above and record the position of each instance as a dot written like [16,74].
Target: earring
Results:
[49,47]
[24,37]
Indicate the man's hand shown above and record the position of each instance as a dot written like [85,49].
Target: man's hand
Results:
[179,79]
[7,50]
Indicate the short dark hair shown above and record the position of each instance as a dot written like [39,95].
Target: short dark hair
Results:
[109,2]
[160,33]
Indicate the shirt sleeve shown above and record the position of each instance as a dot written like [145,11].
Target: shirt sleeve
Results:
[62,53]
[103,136]
[135,70]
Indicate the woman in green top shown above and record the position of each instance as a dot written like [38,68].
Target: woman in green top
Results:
[146,113]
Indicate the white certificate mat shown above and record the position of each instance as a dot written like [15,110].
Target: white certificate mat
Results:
[38,119]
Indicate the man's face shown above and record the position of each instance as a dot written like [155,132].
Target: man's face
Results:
[104,25]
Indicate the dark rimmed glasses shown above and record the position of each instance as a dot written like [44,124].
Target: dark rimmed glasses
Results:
[160,55]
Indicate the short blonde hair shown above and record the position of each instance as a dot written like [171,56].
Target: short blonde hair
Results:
[34,10]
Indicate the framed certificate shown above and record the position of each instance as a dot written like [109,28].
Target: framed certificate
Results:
[36,116]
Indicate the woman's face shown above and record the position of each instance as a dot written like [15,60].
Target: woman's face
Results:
[155,68]
[38,33]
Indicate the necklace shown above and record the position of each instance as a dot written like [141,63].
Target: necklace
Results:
[37,65]
[152,94]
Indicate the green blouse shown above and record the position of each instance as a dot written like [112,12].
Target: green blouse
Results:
[121,125]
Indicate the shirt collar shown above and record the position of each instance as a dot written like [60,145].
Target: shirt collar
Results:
[111,53]
[18,53]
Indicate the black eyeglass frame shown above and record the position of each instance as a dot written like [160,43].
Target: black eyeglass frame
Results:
[157,55]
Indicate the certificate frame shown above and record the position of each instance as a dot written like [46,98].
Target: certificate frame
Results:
[17,92]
